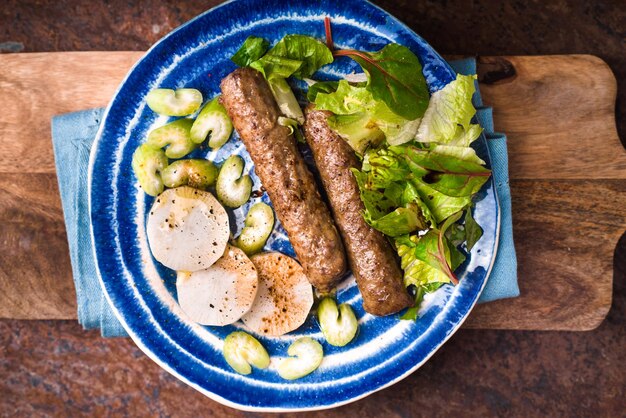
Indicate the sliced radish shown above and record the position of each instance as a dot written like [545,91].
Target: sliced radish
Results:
[187,229]
[285,295]
[221,294]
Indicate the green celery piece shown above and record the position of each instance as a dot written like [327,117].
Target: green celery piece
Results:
[259,224]
[148,164]
[214,120]
[338,323]
[286,99]
[168,102]
[196,173]
[175,137]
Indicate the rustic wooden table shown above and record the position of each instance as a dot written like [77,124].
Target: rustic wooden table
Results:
[564,237]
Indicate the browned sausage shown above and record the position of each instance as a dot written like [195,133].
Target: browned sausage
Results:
[289,183]
[370,255]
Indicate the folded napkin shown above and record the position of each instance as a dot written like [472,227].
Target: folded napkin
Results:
[502,281]
[73,135]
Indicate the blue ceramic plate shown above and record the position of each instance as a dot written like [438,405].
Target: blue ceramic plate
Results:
[142,292]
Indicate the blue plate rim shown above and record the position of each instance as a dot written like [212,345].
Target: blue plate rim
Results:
[161,363]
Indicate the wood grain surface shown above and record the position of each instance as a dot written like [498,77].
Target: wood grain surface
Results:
[567,170]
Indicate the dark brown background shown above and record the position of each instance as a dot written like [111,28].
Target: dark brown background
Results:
[56,368]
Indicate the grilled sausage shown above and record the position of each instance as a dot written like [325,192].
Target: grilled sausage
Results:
[290,185]
[370,255]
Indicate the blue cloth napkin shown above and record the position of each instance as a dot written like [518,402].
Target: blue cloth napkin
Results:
[73,135]
[502,281]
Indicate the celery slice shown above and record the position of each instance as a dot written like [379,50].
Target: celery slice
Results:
[339,325]
[233,189]
[148,164]
[258,227]
[212,120]
[175,136]
[196,173]
[181,102]
[306,356]
[241,350]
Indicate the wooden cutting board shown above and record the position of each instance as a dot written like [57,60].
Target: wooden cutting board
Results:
[567,170]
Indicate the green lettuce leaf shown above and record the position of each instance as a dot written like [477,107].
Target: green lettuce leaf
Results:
[412,312]
[384,168]
[473,231]
[427,259]
[358,130]
[293,126]
[276,67]
[401,221]
[308,53]
[361,119]
[418,272]
[252,49]
[449,110]
[464,154]
[376,203]
[294,55]
[440,205]
[456,234]
[394,77]
[464,137]
[454,171]
[321,87]
[397,129]
[346,99]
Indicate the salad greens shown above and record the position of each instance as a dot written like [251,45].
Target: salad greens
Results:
[419,171]
[417,193]
[394,77]
[294,55]
[361,119]
[252,49]
[447,119]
